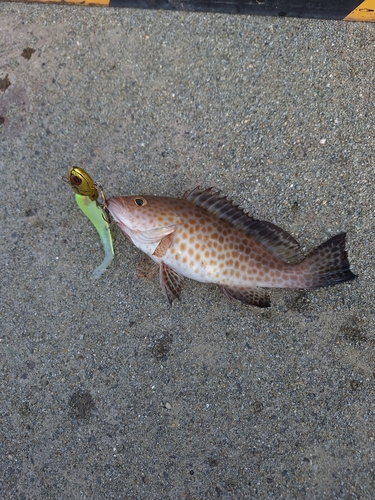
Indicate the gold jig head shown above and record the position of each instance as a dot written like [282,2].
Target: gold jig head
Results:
[82,184]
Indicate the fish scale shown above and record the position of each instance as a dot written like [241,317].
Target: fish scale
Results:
[205,237]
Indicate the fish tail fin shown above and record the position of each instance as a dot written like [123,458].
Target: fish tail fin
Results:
[328,264]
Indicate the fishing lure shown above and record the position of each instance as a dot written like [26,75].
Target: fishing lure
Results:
[87,195]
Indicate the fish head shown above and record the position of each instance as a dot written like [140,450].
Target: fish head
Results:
[146,218]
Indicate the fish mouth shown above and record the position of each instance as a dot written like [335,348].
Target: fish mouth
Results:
[120,215]
[115,209]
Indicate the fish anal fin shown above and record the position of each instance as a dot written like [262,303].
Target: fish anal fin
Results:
[251,296]
[163,245]
[277,241]
[170,282]
[146,268]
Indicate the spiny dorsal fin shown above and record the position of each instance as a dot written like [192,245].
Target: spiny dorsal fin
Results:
[280,243]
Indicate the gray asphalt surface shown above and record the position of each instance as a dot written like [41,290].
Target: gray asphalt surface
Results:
[107,392]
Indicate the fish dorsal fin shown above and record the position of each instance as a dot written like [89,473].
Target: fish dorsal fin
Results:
[280,243]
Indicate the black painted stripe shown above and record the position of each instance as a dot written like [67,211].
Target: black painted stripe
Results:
[351,10]
[328,9]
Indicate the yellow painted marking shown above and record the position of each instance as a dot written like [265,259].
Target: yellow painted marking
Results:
[364,12]
[101,3]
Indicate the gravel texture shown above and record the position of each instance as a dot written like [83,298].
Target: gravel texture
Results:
[107,392]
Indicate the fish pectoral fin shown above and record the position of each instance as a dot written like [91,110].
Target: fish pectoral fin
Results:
[252,296]
[146,268]
[170,282]
[163,246]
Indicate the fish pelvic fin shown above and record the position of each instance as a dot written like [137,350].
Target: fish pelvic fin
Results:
[251,296]
[328,264]
[277,241]
[146,268]
[170,282]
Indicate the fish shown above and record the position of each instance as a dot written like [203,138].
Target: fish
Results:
[206,237]
[87,195]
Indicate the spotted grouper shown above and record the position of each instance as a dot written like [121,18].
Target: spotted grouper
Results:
[205,237]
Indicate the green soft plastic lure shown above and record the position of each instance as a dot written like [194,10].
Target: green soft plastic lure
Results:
[86,194]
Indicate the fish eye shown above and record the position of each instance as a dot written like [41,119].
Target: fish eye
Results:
[75,180]
[140,202]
